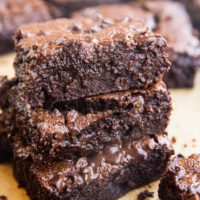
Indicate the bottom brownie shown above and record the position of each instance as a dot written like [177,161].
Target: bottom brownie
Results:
[181,181]
[107,175]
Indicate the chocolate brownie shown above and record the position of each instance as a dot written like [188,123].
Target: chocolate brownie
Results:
[6,118]
[64,8]
[86,126]
[181,180]
[107,175]
[193,7]
[68,59]
[165,18]
[15,13]
[184,51]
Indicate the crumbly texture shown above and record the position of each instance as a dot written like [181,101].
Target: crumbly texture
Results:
[165,18]
[68,59]
[145,194]
[86,126]
[6,119]
[107,175]
[15,13]
[181,180]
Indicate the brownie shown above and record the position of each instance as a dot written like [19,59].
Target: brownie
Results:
[6,118]
[193,7]
[83,127]
[66,59]
[165,18]
[184,46]
[65,8]
[15,13]
[181,180]
[107,175]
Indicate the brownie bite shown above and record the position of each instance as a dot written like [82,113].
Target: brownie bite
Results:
[107,175]
[163,17]
[181,180]
[88,125]
[15,13]
[66,59]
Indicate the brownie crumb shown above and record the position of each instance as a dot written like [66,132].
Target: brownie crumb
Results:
[145,194]
[193,140]
[3,197]
[185,145]
[173,139]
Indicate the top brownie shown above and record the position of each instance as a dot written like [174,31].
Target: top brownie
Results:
[15,13]
[68,59]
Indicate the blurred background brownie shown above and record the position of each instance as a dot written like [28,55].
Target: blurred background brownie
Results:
[181,180]
[64,8]
[107,175]
[193,7]
[16,12]
[184,46]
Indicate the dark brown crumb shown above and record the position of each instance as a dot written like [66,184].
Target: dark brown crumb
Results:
[145,194]
[185,145]
[3,197]
[173,139]
[193,140]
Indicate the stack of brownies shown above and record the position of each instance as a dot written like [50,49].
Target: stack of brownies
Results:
[90,108]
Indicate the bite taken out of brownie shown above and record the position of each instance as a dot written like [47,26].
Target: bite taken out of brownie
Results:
[15,13]
[181,180]
[107,175]
[68,59]
[86,126]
